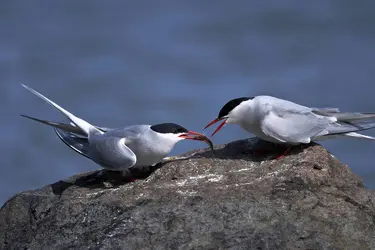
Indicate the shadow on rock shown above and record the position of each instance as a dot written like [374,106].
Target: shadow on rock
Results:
[105,179]
[254,150]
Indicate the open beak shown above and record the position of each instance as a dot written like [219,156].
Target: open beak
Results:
[191,135]
[215,121]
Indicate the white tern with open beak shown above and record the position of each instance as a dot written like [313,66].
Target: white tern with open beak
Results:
[285,122]
[119,148]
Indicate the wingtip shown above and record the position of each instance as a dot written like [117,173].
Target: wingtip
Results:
[27,87]
[26,116]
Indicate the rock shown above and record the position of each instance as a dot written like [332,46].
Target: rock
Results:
[235,200]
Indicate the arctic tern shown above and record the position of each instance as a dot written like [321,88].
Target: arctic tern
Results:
[119,148]
[284,122]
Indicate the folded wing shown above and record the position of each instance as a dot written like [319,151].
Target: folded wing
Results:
[111,152]
[291,123]
[108,151]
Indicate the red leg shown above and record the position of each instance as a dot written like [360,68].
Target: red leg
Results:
[284,154]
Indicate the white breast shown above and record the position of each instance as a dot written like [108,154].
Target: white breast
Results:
[150,148]
[253,116]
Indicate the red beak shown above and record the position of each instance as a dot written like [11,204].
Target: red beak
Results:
[215,121]
[191,135]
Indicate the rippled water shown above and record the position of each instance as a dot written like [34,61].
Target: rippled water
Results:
[116,63]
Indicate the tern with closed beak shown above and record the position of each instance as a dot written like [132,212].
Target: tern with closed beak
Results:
[119,148]
[284,122]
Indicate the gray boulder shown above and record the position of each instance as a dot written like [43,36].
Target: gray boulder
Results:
[238,199]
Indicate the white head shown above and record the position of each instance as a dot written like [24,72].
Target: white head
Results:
[232,112]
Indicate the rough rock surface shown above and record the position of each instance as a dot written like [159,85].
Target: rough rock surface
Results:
[235,200]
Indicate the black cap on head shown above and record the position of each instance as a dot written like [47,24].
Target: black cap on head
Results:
[166,128]
[229,106]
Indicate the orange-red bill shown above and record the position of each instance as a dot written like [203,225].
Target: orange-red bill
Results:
[213,122]
[218,128]
[194,133]
[191,135]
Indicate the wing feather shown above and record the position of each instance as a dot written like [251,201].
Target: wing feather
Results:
[292,123]
[111,152]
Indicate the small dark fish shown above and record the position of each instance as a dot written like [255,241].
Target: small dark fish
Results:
[206,140]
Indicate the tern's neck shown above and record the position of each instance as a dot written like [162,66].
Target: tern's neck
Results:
[165,141]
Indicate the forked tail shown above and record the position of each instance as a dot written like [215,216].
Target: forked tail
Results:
[350,129]
[86,127]
[63,126]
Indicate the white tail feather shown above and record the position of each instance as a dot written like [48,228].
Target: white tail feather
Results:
[82,124]
[359,136]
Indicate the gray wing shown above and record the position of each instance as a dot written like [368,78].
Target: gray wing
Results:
[346,116]
[111,152]
[75,142]
[325,110]
[129,132]
[108,151]
[292,123]
[340,128]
